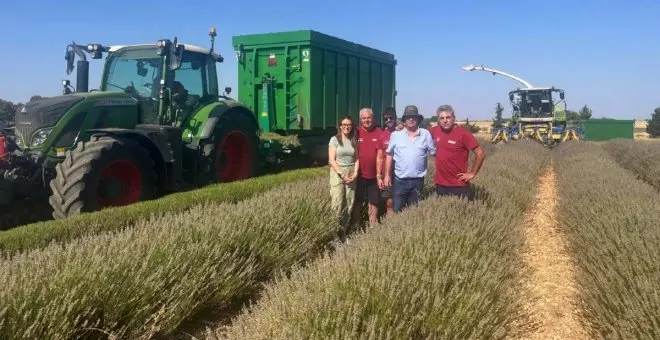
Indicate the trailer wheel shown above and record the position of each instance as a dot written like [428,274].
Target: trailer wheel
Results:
[235,153]
[104,172]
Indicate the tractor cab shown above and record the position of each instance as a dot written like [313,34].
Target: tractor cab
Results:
[536,103]
[169,81]
[139,71]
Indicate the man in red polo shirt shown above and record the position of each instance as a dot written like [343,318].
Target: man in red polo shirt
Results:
[370,154]
[453,144]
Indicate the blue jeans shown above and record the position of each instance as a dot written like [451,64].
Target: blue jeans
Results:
[406,192]
[463,192]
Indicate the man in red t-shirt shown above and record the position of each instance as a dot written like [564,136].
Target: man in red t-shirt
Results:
[370,154]
[453,144]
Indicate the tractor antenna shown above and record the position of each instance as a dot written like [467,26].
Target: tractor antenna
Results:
[212,34]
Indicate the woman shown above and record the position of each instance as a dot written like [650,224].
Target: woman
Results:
[344,166]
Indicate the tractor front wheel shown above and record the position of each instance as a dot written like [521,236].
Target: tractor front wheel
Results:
[104,172]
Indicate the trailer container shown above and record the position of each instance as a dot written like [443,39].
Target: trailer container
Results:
[302,82]
[607,129]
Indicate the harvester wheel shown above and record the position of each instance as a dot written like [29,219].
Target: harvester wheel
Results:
[103,172]
[235,153]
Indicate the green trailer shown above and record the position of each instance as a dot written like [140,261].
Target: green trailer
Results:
[607,129]
[301,82]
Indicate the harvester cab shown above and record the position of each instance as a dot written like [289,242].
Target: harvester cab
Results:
[536,113]
[535,102]
[157,124]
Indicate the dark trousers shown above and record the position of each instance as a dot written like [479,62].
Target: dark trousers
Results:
[463,192]
[406,192]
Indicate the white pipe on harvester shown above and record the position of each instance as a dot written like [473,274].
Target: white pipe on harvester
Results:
[494,71]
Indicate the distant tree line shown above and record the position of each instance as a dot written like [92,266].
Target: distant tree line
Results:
[653,126]
[8,109]
[572,117]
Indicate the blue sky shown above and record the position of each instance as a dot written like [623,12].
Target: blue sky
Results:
[605,54]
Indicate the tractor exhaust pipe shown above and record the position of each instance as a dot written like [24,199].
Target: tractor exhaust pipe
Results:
[82,76]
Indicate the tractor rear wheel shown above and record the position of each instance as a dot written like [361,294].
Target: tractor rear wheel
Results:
[104,172]
[235,153]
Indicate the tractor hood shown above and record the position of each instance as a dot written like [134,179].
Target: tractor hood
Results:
[42,113]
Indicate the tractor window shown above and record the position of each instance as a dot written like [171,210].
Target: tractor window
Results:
[132,68]
[197,74]
[191,75]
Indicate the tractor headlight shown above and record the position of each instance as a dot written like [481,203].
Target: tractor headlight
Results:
[19,139]
[40,136]
[163,46]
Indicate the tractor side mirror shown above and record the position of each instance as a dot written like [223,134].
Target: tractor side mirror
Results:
[176,54]
[69,56]
[561,95]
[511,96]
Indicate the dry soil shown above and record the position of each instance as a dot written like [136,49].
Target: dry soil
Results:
[551,301]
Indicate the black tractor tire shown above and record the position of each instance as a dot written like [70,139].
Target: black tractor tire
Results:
[88,171]
[235,154]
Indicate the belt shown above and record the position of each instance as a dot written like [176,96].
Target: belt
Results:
[408,178]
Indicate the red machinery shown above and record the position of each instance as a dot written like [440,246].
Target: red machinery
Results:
[3,148]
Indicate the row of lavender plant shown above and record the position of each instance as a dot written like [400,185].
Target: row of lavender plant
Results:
[41,234]
[146,280]
[640,157]
[171,264]
[612,220]
[447,269]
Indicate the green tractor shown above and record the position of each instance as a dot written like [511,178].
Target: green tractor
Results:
[156,125]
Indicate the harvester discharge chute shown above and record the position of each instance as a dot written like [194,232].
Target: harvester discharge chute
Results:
[536,114]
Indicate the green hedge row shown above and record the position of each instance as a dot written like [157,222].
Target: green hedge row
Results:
[447,269]
[40,234]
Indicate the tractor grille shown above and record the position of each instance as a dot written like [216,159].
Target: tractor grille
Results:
[42,113]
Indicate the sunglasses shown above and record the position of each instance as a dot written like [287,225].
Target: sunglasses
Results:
[389,118]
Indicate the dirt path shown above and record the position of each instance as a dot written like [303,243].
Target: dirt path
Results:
[551,289]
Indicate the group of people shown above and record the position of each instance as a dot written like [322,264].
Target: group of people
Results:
[388,164]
